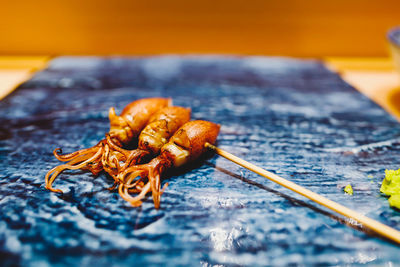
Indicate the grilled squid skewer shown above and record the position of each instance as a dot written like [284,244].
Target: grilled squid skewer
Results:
[123,129]
[163,124]
[186,145]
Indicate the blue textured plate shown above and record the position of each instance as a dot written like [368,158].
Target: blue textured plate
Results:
[394,36]
[293,117]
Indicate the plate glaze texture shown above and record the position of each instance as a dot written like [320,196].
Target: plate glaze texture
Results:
[292,117]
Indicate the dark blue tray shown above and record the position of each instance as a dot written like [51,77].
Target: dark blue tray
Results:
[293,117]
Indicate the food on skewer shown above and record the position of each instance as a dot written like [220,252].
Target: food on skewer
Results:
[123,130]
[160,129]
[186,145]
[162,125]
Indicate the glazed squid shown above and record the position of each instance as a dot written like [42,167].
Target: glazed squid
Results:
[162,125]
[123,130]
[186,145]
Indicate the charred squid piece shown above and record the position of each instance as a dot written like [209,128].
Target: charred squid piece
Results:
[186,145]
[123,129]
[162,125]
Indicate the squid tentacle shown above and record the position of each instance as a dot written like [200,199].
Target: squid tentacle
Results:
[134,201]
[131,157]
[151,172]
[69,166]
[123,129]
[67,157]
[56,170]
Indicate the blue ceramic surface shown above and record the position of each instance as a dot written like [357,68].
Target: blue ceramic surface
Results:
[293,117]
[394,36]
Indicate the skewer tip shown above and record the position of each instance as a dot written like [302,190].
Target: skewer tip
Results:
[210,146]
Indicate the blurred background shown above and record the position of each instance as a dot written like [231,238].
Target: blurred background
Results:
[349,36]
[310,28]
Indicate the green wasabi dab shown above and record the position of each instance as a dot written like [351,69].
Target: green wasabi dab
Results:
[348,189]
[391,187]
[394,201]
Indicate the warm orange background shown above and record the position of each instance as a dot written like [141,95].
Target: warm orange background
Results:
[309,28]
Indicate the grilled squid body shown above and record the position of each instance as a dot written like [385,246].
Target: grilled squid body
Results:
[134,117]
[123,129]
[186,145]
[163,124]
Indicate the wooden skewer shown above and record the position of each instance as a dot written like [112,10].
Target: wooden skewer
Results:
[374,225]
